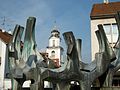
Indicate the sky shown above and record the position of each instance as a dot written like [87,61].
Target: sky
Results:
[70,15]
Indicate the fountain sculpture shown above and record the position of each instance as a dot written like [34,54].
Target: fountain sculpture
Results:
[26,63]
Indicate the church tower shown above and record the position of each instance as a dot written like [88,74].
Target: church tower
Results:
[54,49]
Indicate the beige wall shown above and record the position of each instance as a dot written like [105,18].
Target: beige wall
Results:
[94,42]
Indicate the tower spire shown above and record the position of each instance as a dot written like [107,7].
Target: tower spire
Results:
[55,26]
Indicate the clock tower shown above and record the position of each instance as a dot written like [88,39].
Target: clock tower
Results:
[54,49]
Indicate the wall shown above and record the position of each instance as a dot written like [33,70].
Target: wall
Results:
[7,84]
[94,41]
[2,66]
[57,41]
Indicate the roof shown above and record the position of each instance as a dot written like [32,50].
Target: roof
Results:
[5,36]
[55,31]
[104,10]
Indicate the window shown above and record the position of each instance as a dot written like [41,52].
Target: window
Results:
[53,43]
[115,29]
[116,82]
[111,31]
[107,28]
[0,60]
[7,75]
[53,54]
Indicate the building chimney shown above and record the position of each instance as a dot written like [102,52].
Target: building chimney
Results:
[106,1]
[10,32]
[3,30]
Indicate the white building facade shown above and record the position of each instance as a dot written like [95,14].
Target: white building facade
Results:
[2,62]
[104,14]
[5,82]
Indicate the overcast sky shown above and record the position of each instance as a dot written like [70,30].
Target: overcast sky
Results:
[70,15]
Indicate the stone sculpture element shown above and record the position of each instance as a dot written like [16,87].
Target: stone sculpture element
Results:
[26,64]
[23,62]
[115,65]
[75,69]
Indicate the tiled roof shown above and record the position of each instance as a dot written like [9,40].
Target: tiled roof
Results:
[104,10]
[6,37]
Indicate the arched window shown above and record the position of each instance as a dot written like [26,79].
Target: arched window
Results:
[53,54]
